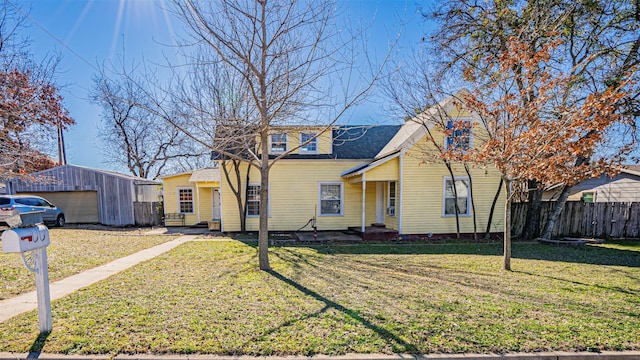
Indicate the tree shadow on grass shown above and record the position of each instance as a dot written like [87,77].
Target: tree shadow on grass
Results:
[394,340]
[588,254]
[38,345]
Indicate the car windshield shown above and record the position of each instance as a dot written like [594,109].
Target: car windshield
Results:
[4,201]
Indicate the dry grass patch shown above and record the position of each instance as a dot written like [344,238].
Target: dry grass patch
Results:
[72,251]
[209,297]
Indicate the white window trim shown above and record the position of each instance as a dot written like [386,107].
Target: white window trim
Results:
[341,197]
[395,197]
[286,143]
[444,196]
[469,119]
[268,200]
[314,135]
[193,199]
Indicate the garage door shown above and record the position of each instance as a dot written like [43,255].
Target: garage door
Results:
[78,206]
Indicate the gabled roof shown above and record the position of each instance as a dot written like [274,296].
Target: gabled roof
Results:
[199,175]
[416,128]
[135,179]
[205,175]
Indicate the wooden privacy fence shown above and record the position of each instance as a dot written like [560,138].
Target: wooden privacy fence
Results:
[601,220]
[147,213]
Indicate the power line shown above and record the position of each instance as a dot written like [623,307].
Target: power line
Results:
[52,36]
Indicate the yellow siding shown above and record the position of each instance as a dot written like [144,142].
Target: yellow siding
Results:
[205,204]
[385,172]
[201,198]
[423,193]
[294,197]
[324,140]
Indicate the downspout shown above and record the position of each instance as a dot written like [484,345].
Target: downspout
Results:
[364,193]
[221,212]
[400,192]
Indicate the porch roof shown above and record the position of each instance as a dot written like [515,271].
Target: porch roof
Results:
[363,168]
[206,175]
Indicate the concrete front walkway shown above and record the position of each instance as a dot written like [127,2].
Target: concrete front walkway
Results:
[28,301]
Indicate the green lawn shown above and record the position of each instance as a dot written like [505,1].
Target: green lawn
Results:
[209,297]
[72,251]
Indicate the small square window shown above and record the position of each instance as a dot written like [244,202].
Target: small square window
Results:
[311,146]
[278,143]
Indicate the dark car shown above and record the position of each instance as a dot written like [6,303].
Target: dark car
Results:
[11,205]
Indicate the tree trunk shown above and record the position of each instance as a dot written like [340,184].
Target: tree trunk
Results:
[263,234]
[473,204]
[507,226]
[532,223]
[557,209]
[487,233]
[455,202]
[236,189]
[243,218]
[559,205]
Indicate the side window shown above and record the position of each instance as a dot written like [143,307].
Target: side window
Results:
[185,200]
[331,198]
[450,200]
[40,202]
[253,200]
[278,143]
[23,201]
[312,146]
[391,200]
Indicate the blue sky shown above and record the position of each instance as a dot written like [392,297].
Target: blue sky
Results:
[89,33]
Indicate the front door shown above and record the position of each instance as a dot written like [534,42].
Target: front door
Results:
[380,202]
[216,203]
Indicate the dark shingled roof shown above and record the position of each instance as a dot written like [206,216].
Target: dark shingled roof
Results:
[356,142]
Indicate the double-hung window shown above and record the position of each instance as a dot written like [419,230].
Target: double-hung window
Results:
[391,199]
[185,200]
[278,143]
[331,199]
[311,141]
[461,196]
[459,135]
[253,200]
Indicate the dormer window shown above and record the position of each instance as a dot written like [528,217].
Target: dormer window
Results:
[459,135]
[278,143]
[311,141]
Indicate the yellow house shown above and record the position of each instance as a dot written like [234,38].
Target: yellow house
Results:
[353,177]
[192,197]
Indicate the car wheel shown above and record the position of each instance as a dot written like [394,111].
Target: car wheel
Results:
[60,221]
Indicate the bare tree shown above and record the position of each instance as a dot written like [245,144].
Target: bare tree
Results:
[132,135]
[296,65]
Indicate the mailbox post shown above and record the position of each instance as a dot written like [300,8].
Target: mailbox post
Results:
[30,239]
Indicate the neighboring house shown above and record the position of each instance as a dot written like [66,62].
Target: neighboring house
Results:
[194,195]
[624,187]
[94,196]
[356,176]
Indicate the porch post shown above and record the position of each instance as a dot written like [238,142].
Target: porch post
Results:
[364,193]
[197,204]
